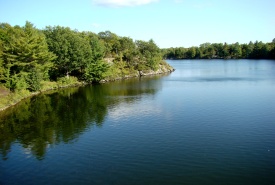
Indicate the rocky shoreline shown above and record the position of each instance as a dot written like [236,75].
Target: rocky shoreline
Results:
[162,70]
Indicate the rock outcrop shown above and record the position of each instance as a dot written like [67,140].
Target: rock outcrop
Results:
[161,70]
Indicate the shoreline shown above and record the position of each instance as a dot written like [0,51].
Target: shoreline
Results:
[139,74]
[16,101]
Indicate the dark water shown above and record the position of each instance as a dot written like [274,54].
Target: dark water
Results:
[209,122]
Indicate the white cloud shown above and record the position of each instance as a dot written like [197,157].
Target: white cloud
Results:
[121,3]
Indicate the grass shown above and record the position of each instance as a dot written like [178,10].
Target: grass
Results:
[8,98]
[11,98]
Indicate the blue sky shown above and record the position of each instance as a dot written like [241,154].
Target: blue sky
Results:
[170,23]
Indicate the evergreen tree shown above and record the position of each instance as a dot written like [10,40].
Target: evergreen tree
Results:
[24,50]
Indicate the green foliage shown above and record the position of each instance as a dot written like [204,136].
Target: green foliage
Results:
[142,67]
[272,50]
[48,85]
[2,70]
[127,50]
[66,81]
[29,56]
[18,82]
[150,53]
[257,50]
[191,53]
[96,69]
[94,72]
[97,46]
[34,80]
[72,49]
[33,60]
[236,51]
[111,42]
[24,49]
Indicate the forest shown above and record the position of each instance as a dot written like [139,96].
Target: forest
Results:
[33,59]
[256,50]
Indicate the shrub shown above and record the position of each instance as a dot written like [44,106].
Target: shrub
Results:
[64,81]
[47,85]
[33,80]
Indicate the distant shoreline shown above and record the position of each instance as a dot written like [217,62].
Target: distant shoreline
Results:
[218,59]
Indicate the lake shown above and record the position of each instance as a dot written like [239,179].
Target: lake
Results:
[209,122]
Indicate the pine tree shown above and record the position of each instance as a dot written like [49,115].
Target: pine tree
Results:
[24,50]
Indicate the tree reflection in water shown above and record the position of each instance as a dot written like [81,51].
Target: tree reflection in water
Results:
[61,116]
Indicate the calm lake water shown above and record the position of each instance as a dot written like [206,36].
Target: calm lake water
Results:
[209,122]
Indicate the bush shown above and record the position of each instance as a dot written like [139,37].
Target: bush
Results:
[34,79]
[47,85]
[94,72]
[65,81]
[18,82]
[142,67]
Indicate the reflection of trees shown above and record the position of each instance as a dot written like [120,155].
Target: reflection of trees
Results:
[61,116]
[130,87]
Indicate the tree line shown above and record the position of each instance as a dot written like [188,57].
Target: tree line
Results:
[31,57]
[256,50]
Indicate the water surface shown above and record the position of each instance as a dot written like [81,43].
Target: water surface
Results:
[209,122]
